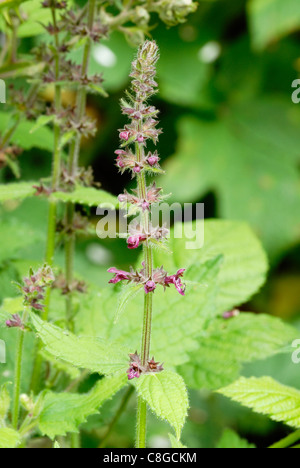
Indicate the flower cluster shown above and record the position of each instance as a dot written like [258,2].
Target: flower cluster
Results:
[159,277]
[34,286]
[136,367]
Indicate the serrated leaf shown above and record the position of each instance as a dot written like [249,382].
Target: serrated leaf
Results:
[9,438]
[266,396]
[41,138]
[89,196]
[231,439]
[166,395]
[64,412]
[90,353]
[227,344]
[270,20]
[16,191]
[244,268]
[176,443]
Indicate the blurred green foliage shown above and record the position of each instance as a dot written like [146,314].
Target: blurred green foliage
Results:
[231,139]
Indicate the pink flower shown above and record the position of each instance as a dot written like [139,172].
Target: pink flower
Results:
[149,287]
[176,280]
[140,138]
[153,160]
[132,374]
[145,205]
[120,162]
[15,322]
[134,241]
[137,169]
[124,135]
[120,275]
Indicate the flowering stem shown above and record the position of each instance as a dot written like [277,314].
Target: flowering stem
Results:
[73,163]
[56,169]
[18,372]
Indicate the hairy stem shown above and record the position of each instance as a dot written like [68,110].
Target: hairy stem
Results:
[18,372]
[147,320]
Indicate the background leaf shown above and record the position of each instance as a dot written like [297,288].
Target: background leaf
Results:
[266,396]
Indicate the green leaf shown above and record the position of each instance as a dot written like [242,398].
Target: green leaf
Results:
[41,138]
[94,354]
[16,191]
[69,369]
[89,196]
[244,268]
[11,3]
[4,404]
[64,412]
[227,344]
[266,396]
[9,438]
[176,443]
[169,343]
[13,239]
[175,84]
[166,395]
[231,439]
[270,20]
[238,154]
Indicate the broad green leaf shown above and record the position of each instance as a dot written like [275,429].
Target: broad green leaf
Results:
[172,334]
[231,439]
[64,412]
[9,438]
[227,344]
[16,191]
[266,396]
[239,154]
[89,196]
[13,238]
[175,443]
[41,138]
[270,20]
[4,403]
[90,353]
[244,267]
[166,395]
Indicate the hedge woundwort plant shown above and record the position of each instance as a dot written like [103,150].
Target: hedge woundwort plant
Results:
[134,157]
